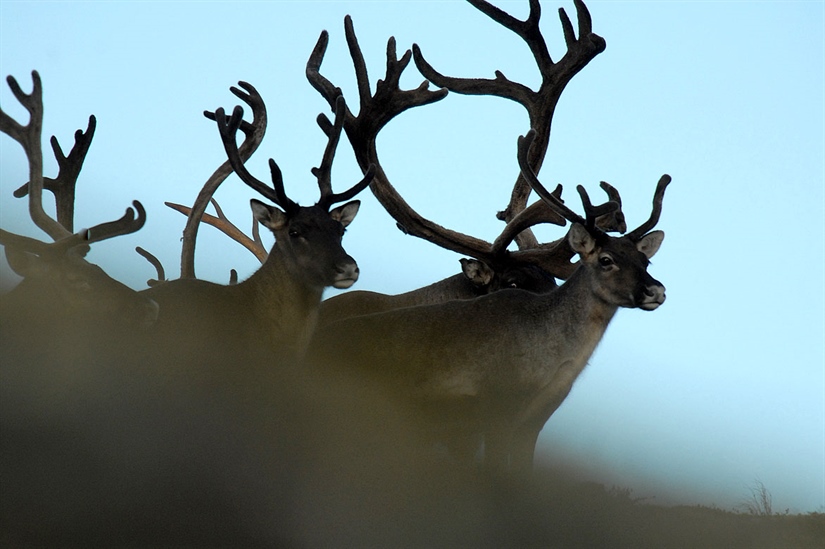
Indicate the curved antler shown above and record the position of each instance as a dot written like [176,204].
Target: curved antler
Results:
[376,110]
[228,129]
[540,104]
[253,135]
[591,212]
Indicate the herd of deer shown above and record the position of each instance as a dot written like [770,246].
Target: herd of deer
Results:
[183,392]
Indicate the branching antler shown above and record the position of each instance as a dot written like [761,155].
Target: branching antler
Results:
[254,133]
[540,104]
[228,127]
[555,257]
[29,137]
[63,186]
[375,112]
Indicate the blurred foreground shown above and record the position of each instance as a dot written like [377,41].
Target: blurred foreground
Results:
[111,436]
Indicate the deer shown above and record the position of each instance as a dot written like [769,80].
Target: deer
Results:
[276,307]
[58,282]
[492,267]
[501,364]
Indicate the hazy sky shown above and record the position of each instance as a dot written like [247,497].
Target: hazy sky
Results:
[692,403]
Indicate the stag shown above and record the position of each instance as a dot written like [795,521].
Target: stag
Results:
[500,365]
[58,283]
[533,267]
[276,307]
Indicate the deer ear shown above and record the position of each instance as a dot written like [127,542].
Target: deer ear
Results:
[581,240]
[268,216]
[346,213]
[24,263]
[649,243]
[479,273]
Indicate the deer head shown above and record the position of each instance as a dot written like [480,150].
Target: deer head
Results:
[308,238]
[57,273]
[618,263]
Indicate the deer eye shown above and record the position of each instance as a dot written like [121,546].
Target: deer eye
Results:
[606,261]
[294,233]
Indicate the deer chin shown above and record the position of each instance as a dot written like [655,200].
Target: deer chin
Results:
[344,283]
[653,303]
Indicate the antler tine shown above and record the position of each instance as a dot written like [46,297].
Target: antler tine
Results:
[125,225]
[593,213]
[155,262]
[64,185]
[328,128]
[324,172]
[613,222]
[541,104]
[29,137]
[658,196]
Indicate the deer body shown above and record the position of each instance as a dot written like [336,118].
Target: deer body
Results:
[277,306]
[503,363]
[476,279]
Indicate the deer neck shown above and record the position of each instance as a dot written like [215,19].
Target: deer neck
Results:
[284,303]
[583,312]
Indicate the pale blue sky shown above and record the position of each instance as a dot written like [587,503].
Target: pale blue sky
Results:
[723,385]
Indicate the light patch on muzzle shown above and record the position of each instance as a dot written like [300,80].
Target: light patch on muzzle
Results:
[346,275]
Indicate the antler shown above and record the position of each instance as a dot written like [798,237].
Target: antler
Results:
[63,186]
[555,257]
[324,171]
[540,104]
[228,128]
[82,239]
[222,223]
[375,112]
[29,137]
[253,135]
[591,212]
[658,196]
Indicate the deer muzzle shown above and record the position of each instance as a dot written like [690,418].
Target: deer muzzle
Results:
[346,273]
[653,296]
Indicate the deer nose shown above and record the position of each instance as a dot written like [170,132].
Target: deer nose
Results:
[346,273]
[653,297]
